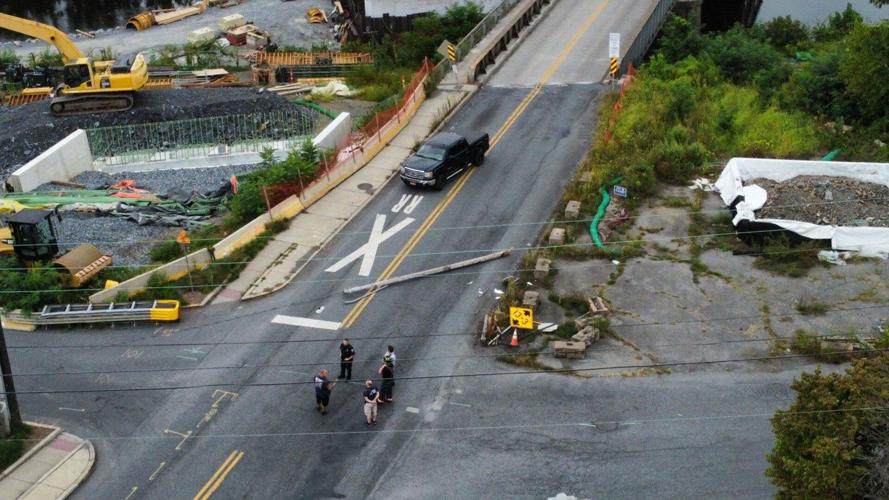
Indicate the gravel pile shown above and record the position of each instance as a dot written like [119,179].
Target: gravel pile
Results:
[840,201]
[128,243]
[26,131]
[199,180]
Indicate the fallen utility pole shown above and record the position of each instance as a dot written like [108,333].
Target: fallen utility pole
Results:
[429,272]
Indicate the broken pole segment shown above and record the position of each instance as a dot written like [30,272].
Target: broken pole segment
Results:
[429,272]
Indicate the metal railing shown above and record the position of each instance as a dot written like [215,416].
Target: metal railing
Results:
[472,38]
[647,34]
[200,137]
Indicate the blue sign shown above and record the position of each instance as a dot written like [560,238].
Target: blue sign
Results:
[620,191]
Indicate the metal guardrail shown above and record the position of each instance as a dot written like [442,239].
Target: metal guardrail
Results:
[115,312]
[647,34]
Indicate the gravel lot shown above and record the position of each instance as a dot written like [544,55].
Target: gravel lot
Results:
[826,200]
[26,131]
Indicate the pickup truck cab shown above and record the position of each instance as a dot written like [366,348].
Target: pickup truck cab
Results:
[442,157]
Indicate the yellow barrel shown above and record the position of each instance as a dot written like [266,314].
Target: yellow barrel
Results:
[141,21]
[165,310]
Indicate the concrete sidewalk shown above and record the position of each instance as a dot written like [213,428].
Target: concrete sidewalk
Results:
[50,470]
[285,255]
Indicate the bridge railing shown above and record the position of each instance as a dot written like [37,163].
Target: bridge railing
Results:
[647,35]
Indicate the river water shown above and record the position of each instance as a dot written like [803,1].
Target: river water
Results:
[816,11]
[89,15]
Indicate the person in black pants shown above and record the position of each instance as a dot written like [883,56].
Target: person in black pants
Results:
[347,356]
[388,376]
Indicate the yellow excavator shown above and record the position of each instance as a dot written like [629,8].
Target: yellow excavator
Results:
[88,86]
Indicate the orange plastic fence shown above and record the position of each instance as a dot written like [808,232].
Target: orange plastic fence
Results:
[619,104]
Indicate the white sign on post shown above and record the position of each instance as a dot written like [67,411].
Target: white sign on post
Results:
[614,45]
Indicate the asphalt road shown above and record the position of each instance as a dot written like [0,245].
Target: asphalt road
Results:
[242,423]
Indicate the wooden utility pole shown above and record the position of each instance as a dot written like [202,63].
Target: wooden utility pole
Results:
[12,401]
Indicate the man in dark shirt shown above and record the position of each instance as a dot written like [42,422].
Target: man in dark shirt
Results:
[323,386]
[371,400]
[388,376]
[347,355]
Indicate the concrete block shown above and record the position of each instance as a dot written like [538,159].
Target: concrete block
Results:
[541,269]
[334,133]
[530,298]
[572,210]
[64,160]
[563,349]
[557,236]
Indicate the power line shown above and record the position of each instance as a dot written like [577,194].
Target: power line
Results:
[675,364]
[428,254]
[592,424]
[401,359]
[390,337]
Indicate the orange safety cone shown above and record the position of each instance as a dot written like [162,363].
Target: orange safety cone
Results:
[515,338]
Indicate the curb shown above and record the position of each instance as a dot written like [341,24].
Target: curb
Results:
[39,446]
[87,472]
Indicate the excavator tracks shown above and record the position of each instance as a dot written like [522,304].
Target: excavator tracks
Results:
[75,104]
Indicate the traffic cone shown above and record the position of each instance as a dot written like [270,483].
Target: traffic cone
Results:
[515,338]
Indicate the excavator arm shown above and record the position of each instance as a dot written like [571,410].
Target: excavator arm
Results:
[48,34]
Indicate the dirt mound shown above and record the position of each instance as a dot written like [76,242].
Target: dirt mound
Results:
[839,201]
[26,131]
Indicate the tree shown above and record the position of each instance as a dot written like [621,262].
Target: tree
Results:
[879,3]
[827,441]
[786,34]
[679,39]
[838,25]
[740,56]
[864,70]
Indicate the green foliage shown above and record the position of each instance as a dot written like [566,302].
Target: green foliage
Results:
[166,251]
[741,57]
[838,25]
[824,444]
[7,56]
[679,39]
[28,289]
[811,306]
[12,446]
[779,256]
[864,70]
[250,202]
[44,58]
[159,288]
[787,35]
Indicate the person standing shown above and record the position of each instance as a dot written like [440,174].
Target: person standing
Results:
[347,356]
[323,387]
[371,400]
[387,373]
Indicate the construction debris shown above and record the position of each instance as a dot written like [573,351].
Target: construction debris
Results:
[571,350]
[316,15]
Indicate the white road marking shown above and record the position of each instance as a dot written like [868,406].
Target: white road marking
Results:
[460,404]
[368,251]
[157,471]
[309,322]
[186,357]
[411,409]
[413,204]
[81,410]
[295,372]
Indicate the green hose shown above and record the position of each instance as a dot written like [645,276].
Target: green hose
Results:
[606,199]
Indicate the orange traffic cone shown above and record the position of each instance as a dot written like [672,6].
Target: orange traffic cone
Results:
[515,338]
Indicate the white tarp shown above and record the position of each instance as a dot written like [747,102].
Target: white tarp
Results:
[869,241]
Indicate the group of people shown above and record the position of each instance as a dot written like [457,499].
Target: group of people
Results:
[373,397]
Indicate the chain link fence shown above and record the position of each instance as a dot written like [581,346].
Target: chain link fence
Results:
[201,137]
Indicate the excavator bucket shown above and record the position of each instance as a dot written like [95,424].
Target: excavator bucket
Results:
[82,263]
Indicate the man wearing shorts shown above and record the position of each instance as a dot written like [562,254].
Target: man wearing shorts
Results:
[371,400]
[323,386]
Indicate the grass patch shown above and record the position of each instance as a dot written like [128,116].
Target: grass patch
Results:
[811,307]
[574,304]
[13,446]
[779,256]
[676,202]
[566,330]
[526,360]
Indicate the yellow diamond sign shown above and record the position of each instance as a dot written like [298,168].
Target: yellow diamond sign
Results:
[521,317]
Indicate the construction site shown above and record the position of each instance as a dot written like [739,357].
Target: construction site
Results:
[123,155]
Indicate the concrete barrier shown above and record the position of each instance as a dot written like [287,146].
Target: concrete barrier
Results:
[335,133]
[485,54]
[287,209]
[61,162]
[171,271]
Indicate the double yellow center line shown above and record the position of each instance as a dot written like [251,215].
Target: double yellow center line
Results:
[219,476]
[362,304]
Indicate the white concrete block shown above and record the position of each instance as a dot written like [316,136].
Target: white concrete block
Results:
[64,160]
[334,133]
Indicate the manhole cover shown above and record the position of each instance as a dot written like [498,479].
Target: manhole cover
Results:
[366,187]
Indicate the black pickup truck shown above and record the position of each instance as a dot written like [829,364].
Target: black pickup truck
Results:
[443,156]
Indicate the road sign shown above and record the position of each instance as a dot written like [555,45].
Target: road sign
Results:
[614,45]
[620,191]
[520,317]
[448,50]
[613,67]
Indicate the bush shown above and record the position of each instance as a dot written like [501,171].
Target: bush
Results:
[250,201]
[166,251]
[28,289]
[7,56]
[786,34]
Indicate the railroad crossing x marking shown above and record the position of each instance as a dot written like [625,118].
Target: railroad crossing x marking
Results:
[368,251]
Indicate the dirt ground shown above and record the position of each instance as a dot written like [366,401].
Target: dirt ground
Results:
[670,307]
